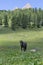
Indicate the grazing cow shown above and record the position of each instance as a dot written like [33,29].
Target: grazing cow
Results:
[23,45]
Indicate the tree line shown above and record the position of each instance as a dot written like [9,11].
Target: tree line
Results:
[22,18]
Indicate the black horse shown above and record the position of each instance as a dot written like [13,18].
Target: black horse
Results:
[23,45]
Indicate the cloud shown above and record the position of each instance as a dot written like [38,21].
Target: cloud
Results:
[16,7]
[27,6]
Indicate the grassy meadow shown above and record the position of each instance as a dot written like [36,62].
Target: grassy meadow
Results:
[10,53]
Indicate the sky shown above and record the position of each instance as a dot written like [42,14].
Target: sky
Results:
[12,4]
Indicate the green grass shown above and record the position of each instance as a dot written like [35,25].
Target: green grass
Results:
[11,56]
[10,53]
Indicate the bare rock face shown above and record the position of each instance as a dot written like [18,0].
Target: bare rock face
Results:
[27,6]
